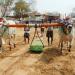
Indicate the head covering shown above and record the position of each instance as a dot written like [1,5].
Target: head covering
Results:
[67,18]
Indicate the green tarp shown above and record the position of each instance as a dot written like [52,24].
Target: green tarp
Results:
[36,46]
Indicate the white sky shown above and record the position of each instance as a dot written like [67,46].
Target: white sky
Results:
[62,6]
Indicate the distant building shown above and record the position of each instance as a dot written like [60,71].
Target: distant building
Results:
[51,16]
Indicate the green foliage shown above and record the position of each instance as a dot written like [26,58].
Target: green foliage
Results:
[21,7]
[6,4]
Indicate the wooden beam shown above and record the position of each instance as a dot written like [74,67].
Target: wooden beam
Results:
[40,25]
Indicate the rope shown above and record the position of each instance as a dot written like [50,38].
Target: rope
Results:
[36,32]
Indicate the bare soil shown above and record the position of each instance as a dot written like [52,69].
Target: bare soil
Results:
[20,61]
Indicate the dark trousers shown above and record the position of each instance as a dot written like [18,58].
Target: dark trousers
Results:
[26,36]
[49,40]
[49,35]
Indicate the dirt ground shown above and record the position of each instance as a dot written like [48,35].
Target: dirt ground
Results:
[20,61]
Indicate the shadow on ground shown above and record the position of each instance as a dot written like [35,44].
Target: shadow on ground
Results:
[49,54]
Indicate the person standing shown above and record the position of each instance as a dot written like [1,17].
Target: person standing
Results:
[42,31]
[49,35]
[26,33]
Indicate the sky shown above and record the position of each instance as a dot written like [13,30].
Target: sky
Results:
[62,6]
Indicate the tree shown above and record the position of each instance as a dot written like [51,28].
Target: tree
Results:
[21,7]
[5,5]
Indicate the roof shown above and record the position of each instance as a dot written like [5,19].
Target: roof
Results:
[52,14]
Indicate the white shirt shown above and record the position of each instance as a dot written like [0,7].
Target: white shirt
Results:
[50,29]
